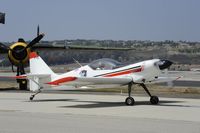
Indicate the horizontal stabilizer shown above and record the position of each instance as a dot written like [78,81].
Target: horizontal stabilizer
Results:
[164,79]
[27,76]
[15,77]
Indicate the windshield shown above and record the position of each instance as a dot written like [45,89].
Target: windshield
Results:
[105,64]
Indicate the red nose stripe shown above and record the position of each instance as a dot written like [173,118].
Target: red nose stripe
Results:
[33,55]
[62,80]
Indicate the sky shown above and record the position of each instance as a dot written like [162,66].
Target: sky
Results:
[155,20]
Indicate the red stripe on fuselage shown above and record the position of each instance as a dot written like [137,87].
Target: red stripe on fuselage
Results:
[124,72]
[62,80]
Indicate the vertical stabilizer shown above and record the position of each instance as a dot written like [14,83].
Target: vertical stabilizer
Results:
[38,66]
[39,69]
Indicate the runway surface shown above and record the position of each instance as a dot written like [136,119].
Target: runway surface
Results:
[50,113]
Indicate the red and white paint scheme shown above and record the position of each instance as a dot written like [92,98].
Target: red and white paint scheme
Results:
[99,72]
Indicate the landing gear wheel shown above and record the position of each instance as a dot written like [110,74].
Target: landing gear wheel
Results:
[129,101]
[31,97]
[154,100]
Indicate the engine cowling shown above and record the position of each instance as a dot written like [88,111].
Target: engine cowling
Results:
[18,53]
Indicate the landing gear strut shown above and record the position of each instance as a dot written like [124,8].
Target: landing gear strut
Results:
[153,99]
[38,91]
[129,100]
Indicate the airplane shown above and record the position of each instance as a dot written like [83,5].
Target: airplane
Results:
[99,72]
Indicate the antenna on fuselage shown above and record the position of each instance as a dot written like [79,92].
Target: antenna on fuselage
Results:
[77,62]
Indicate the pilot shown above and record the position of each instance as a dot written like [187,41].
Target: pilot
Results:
[83,73]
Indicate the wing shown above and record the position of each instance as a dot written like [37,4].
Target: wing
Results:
[37,81]
[163,79]
[81,81]
[104,80]
[26,76]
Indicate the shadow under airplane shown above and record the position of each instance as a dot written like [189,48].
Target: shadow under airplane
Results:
[98,104]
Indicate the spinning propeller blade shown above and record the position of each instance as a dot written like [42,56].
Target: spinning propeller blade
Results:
[170,82]
[35,40]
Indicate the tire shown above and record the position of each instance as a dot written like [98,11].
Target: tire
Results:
[129,101]
[154,100]
[31,98]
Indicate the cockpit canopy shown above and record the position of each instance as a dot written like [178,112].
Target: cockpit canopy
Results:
[105,64]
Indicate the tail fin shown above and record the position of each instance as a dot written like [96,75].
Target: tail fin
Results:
[38,68]
[37,65]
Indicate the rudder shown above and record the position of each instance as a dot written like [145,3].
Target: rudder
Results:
[38,67]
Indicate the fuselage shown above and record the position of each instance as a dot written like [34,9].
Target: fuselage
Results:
[141,72]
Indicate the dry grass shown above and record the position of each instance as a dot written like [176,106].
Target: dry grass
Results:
[4,85]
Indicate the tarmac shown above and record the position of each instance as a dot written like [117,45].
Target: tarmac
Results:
[96,113]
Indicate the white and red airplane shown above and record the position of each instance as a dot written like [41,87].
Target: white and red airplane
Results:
[99,72]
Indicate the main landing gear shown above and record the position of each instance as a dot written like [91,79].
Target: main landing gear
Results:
[130,101]
[32,96]
[36,92]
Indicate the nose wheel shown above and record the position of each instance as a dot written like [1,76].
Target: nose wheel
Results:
[153,99]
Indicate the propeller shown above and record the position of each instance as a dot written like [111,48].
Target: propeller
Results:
[170,82]
[164,66]
[34,41]
[22,53]
[31,44]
